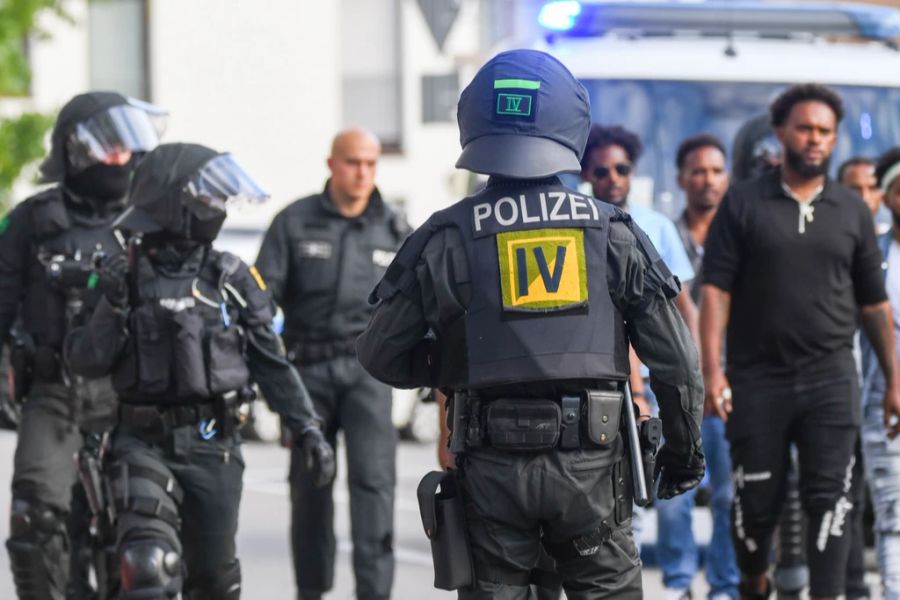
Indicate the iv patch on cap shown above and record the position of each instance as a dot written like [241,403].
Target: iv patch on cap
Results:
[515,99]
[542,270]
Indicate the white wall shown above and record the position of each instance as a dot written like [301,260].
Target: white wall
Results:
[259,79]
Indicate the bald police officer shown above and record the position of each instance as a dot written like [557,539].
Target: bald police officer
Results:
[520,301]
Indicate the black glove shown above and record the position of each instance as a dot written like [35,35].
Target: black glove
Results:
[678,472]
[114,280]
[319,455]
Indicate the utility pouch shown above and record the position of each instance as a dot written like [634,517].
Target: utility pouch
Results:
[524,424]
[227,367]
[153,351]
[444,520]
[570,438]
[602,415]
[189,364]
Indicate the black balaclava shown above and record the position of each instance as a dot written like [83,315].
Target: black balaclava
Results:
[103,182]
[206,230]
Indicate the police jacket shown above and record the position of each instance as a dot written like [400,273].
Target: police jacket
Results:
[531,288]
[50,246]
[320,265]
[192,331]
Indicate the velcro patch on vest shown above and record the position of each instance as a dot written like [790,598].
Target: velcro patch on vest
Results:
[315,249]
[382,258]
[542,270]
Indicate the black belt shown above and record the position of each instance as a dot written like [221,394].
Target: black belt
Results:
[312,352]
[156,417]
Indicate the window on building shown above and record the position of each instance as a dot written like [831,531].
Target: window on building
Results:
[118,40]
[372,82]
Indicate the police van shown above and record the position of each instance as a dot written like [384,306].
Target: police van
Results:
[667,70]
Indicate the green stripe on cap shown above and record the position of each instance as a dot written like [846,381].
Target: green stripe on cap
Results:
[520,84]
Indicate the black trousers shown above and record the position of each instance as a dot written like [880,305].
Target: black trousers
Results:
[514,499]
[822,418]
[352,401]
[209,473]
[54,421]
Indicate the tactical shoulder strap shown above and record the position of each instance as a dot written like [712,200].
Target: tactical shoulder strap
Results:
[670,284]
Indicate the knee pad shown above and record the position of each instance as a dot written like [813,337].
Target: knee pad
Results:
[37,550]
[34,522]
[149,571]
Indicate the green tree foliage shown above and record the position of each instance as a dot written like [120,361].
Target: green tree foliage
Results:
[20,137]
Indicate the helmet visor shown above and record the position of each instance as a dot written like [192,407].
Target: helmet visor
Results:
[221,181]
[110,137]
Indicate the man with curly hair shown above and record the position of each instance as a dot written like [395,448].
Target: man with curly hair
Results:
[791,264]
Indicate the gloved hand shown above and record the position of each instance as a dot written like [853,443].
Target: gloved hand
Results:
[319,455]
[678,472]
[114,280]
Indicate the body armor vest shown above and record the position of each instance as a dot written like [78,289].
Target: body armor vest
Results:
[185,344]
[67,247]
[540,307]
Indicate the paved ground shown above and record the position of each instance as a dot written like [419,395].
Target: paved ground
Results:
[263,539]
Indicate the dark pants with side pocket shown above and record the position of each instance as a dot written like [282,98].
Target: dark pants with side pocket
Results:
[348,399]
[512,498]
[821,417]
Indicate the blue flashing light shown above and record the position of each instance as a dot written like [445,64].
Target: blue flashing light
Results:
[865,126]
[559,15]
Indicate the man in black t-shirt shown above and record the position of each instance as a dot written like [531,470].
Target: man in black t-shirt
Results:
[791,263]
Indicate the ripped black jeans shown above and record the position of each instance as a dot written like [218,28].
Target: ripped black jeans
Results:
[821,417]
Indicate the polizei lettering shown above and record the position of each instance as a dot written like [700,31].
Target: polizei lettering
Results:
[526,211]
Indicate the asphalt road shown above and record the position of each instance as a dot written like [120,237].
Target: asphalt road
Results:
[263,535]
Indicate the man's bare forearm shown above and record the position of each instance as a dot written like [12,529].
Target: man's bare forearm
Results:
[715,304]
[877,323]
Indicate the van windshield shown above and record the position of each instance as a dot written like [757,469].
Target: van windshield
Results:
[663,113]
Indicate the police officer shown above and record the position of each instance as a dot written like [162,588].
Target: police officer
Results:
[321,257]
[50,246]
[522,299]
[184,335]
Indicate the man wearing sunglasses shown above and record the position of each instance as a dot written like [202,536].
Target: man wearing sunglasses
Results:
[50,247]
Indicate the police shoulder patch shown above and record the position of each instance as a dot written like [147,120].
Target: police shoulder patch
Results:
[542,270]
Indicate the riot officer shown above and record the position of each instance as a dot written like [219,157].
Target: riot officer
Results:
[184,335]
[50,247]
[321,257]
[520,302]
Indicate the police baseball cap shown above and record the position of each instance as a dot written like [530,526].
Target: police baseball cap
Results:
[524,115]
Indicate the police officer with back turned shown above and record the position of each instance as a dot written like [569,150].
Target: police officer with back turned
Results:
[50,247]
[184,334]
[520,302]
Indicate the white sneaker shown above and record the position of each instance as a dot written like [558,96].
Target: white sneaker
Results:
[721,596]
[677,594]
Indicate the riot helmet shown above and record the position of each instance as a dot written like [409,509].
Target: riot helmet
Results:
[96,141]
[181,191]
[524,115]
[756,149]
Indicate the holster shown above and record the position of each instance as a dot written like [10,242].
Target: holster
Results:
[444,520]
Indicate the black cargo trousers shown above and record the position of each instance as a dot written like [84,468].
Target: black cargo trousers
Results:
[177,496]
[347,398]
[513,498]
[49,545]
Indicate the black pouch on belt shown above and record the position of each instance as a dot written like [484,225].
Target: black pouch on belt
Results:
[523,424]
[444,519]
[602,413]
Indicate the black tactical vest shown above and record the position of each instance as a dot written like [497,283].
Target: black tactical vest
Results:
[540,307]
[185,344]
[67,246]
